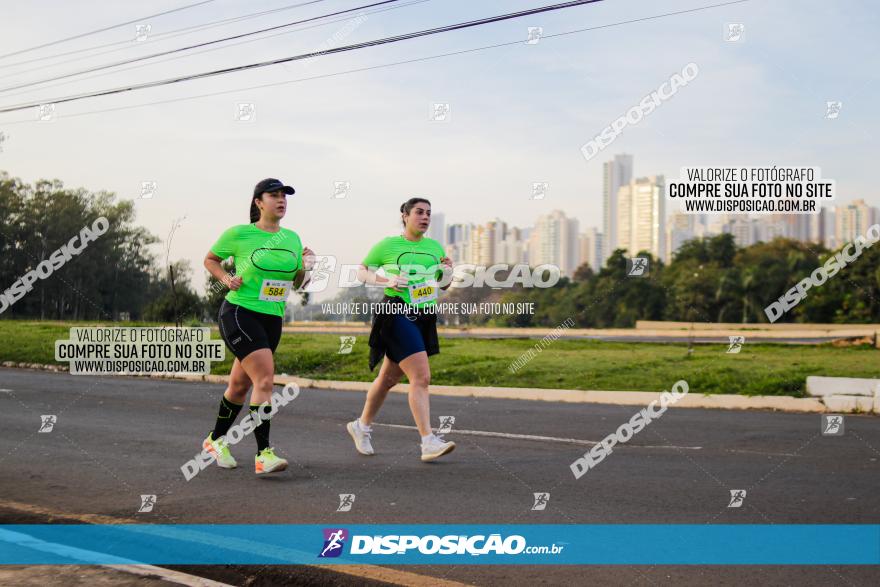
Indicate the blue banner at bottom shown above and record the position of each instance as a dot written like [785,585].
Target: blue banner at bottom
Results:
[280,544]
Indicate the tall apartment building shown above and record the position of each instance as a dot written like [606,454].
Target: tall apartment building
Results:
[591,249]
[641,216]
[853,219]
[458,242]
[615,173]
[554,241]
[437,230]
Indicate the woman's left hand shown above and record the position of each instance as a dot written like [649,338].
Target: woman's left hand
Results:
[308,259]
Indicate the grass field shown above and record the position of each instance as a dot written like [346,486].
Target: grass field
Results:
[768,369]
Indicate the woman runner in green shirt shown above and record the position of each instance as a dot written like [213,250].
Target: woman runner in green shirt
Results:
[270,262]
[405,330]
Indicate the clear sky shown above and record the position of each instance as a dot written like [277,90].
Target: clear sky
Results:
[519,114]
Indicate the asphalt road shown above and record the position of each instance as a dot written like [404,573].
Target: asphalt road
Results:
[118,438]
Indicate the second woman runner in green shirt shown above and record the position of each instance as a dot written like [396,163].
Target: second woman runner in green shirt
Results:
[404,332]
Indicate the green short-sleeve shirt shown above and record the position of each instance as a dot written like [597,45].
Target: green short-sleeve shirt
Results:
[420,261]
[267,263]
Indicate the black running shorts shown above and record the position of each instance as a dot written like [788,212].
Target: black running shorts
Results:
[245,331]
[406,338]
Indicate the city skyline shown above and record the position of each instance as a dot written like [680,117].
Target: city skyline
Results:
[558,239]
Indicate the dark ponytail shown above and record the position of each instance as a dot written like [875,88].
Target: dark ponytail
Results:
[255,212]
[407,207]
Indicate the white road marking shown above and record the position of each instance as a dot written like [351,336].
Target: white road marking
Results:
[544,438]
[758,452]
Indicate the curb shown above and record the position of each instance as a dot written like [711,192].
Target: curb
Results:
[846,394]
[619,398]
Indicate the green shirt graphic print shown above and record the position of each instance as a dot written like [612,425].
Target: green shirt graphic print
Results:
[420,261]
[267,262]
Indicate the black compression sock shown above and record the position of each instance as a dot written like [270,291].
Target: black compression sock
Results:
[225,417]
[261,432]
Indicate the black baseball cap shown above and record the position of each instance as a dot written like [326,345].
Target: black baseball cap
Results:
[270,185]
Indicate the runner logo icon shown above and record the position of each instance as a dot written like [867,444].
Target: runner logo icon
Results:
[334,542]
[47,422]
[637,267]
[446,424]
[736,343]
[346,344]
[346,500]
[541,500]
[737,497]
[147,503]
[832,425]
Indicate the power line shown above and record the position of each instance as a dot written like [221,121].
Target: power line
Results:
[345,48]
[329,22]
[101,30]
[385,65]
[196,46]
[168,34]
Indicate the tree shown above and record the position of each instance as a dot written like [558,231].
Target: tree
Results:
[851,296]
[583,273]
[620,299]
[109,275]
[178,305]
[701,281]
[768,270]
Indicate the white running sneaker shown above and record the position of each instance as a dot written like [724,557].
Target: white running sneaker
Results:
[361,437]
[435,447]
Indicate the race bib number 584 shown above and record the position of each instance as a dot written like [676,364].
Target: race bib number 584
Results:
[275,290]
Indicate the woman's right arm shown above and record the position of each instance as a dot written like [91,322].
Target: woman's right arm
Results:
[370,277]
[212,264]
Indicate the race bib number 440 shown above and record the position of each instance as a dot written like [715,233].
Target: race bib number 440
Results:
[275,290]
[423,292]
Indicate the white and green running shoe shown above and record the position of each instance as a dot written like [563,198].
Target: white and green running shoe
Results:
[267,462]
[220,451]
